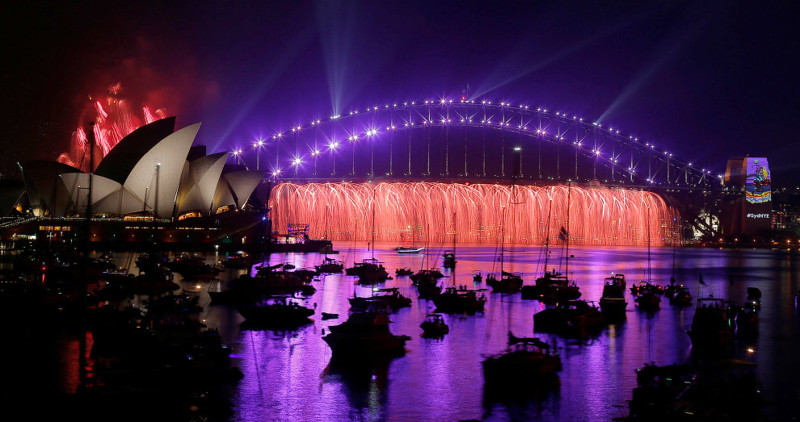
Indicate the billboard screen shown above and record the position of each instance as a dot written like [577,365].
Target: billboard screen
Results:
[757,181]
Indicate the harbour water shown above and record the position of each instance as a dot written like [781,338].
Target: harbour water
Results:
[287,377]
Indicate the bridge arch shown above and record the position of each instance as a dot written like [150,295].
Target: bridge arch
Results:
[464,139]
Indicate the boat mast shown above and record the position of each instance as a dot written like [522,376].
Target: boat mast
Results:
[454,234]
[547,232]
[566,257]
[373,223]
[649,274]
[502,238]
[672,280]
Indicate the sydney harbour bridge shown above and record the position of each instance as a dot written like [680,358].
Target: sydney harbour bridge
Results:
[478,171]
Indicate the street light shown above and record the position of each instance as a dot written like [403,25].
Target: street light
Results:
[258,145]
[237,153]
[332,146]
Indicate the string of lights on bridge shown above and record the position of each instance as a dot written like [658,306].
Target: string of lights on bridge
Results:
[467,120]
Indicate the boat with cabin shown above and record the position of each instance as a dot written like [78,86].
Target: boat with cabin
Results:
[612,302]
[366,335]
[275,310]
[572,318]
[391,295]
[460,300]
[527,365]
[712,331]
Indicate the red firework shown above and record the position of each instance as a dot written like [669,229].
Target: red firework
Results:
[427,211]
[114,119]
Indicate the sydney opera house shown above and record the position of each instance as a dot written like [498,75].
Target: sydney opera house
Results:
[153,188]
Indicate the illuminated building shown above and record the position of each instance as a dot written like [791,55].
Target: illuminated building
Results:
[749,211]
[152,187]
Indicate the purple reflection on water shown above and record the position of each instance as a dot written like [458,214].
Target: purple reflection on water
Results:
[288,376]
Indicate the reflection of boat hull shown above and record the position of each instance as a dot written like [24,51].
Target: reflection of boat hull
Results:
[613,307]
[648,301]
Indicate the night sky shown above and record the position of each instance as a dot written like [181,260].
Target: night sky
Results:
[707,80]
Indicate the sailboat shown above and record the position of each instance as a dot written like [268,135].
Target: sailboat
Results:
[412,248]
[459,299]
[508,282]
[409,249]
[426,279]
[450,256]
[677,294]
[328,249]
[647,298]
[554,286]
[370,270]
[328,265]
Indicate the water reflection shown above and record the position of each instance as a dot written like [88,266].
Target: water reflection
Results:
[364,383]
[288,373]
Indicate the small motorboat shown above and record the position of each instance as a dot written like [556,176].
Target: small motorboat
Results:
[326,315]
[434,326]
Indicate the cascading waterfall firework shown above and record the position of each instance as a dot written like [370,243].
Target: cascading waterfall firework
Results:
[425,211]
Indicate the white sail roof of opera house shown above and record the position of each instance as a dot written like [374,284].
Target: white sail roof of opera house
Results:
[157,175]
[43,187]
[235,188]
[143,174]
[199,183]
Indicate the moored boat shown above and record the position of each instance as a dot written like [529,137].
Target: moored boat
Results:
[275,310]
[434,326]
[460,300]
[648,301]
[573,318]
[680,296]
[552,287]
[508,283]
[391,296]
[366,334]
[449,259]
[329,266]
[432,274]
[712,332]
[527,365]
[612,302]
